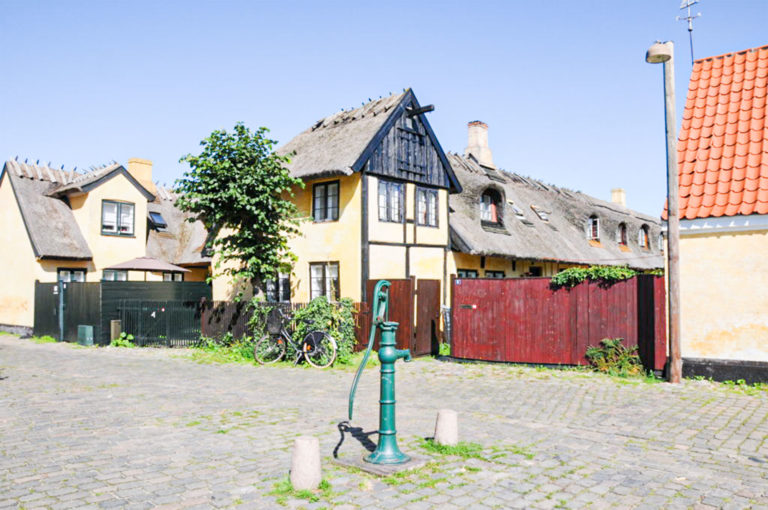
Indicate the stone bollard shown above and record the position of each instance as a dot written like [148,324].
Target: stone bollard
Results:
[447,427]
[305,463]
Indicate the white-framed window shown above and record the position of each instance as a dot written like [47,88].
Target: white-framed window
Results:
[173,277]
[324,280]
[426,207]
[325,201]
[621,234]
[466,273]
[115,275]
[643,238]
[541,213]
[490,207]
[516,209]
[117,218]
[70,275]
[279,289]
[593,228]
[391,201]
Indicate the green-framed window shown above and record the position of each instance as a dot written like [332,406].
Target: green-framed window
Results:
[117,218]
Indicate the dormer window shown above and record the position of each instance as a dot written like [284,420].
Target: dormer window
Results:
[593,228]
[515,209]
[642,237]
[621,235]
[490,207]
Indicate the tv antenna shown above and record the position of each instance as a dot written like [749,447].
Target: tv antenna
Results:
[687,4]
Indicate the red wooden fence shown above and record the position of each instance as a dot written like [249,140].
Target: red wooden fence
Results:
[524,320]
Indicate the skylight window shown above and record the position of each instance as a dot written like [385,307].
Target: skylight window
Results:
[157,221]
[518,212]
[541,213]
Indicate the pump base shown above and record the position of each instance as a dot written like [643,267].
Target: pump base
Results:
[378,457]
[357,461]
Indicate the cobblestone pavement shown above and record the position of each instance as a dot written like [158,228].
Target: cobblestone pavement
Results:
[140,428]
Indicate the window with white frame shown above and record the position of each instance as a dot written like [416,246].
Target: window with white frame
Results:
[115,275]
[490,207]
[70,275]
[593,228]
[621,234]
[173,276]
[391,201]
[466,273]
[643,238]
[278,290]
[325,201]
[426,207]
[117,218]
[324,280]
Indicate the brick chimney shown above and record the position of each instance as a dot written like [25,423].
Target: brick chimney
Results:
[619,196]
[477,144]
[141,170]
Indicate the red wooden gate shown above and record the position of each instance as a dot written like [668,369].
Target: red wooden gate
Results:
[526,321]
[427,317]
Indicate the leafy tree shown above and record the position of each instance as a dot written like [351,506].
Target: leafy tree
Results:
[240,189]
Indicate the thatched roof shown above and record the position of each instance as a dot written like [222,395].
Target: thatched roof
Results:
[182,242]
[333,145]
[55,234]
[561,238]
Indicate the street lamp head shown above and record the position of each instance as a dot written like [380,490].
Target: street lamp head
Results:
[659,52]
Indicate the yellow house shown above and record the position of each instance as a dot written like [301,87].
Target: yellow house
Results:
[108,224]
[375,201]
[723,169]
[505,225]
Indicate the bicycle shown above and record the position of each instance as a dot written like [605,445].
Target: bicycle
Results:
[317,346]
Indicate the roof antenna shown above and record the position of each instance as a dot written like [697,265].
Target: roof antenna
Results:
[687,4]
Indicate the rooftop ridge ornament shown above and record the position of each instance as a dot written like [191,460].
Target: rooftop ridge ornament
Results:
[687,4]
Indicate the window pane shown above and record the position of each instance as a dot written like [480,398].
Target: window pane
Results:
[432,209]
[284,288]
[320,202]
[333,201]
[167,277]
[332,280]
[316,281]
[421,207]
[122,276]
[65,276]
[109,217]
[270,289]
[108,275]
[126,218]
[383,216]
[178,277]
[78,276]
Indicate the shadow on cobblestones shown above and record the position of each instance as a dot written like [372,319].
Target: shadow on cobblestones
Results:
[357,433]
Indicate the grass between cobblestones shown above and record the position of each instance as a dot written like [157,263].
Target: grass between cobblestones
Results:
[283,491]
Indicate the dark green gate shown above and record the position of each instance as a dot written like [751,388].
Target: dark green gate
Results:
[169,323]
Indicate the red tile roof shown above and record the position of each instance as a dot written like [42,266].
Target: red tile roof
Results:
[723,147]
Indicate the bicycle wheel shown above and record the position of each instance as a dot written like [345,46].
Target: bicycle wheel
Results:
[269,349]
[319,349]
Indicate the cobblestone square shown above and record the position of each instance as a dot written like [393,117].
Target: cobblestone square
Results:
[145,428]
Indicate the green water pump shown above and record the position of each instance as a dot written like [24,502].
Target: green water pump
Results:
[387,451]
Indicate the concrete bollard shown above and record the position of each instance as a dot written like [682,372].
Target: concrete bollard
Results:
[447,427]
[305,463]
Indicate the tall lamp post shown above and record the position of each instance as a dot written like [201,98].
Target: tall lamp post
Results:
[664,53]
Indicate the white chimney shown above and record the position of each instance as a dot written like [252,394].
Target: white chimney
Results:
[477,144]
[619,196]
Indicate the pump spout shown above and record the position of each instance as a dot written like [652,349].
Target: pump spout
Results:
[403,353]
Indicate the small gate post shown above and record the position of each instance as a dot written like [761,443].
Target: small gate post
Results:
[115,328]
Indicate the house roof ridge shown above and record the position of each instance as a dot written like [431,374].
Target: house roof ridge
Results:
[731,54]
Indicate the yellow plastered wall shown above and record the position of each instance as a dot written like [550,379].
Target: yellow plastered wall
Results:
[109,250]
[330,241]
[18,259]
[512,267]
[724,295]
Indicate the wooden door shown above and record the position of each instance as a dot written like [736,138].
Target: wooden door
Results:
[401,293]
[427,317]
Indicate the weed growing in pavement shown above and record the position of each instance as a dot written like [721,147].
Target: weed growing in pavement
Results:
[225,350]
[613,358]
[444,349]
[45,339]
[461,449]
[284,490]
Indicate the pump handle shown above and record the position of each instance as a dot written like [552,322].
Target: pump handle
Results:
[380,313]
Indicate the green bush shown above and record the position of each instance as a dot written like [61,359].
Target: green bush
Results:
[604,274]
[613,358]
[124,340]
[444,349]
[257,324]
[337,320]
[225,350]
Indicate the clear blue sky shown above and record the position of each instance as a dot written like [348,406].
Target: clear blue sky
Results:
[563,85]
